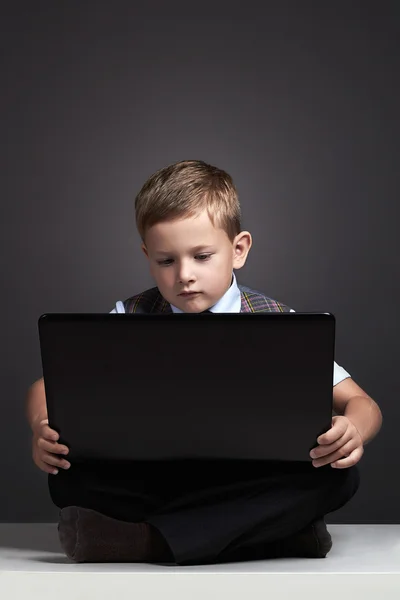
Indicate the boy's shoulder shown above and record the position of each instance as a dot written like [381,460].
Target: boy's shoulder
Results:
[255,301]
[151,301]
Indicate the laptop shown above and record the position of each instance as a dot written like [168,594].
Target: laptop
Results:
[188,386]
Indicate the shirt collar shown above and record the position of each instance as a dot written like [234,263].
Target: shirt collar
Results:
[229,303]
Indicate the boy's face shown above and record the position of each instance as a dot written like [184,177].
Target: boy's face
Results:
[191,255]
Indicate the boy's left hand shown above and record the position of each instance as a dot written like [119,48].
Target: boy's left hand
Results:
[341,446]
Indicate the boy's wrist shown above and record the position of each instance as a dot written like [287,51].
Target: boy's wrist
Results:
[37,421]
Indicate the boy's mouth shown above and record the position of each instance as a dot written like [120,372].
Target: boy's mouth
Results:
[188,293]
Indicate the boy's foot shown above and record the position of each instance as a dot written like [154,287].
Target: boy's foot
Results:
[89,536]
[314,541]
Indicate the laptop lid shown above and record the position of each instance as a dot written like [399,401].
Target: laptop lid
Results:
[165,386]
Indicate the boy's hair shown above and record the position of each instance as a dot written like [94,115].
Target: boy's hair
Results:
[184,189]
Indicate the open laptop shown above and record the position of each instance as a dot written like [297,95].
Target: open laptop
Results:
[143,386]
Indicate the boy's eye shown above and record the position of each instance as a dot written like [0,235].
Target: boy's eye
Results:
[168,261]
[164,262]
[203,256]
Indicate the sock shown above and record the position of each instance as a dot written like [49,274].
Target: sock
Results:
[314,541]
[89,536]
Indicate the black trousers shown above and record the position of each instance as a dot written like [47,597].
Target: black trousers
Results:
[207,508]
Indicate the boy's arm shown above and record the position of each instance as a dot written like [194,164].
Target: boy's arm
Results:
[46,450]
[36,408]
[350,400]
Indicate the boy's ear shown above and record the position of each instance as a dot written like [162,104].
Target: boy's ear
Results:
[143,246]
[241,248]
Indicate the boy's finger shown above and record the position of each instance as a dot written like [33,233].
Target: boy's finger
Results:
[49,434]
[52,447]
[48,468]
[52,460]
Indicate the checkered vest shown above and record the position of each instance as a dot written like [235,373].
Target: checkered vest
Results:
[151,301]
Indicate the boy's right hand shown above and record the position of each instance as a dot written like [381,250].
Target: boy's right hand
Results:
[45,448]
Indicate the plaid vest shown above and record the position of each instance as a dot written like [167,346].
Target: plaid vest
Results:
[151,301]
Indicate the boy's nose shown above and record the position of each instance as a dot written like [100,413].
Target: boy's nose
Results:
[185,275]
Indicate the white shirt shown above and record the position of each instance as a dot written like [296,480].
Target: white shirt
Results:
[231,303]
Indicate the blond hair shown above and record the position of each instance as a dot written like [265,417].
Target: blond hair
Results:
[184,189]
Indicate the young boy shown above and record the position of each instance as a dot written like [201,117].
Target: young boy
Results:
[188,217]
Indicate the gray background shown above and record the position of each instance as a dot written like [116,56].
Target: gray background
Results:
[298,101]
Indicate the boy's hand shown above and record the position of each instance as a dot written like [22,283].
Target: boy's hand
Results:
[341,446]
[45,448]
